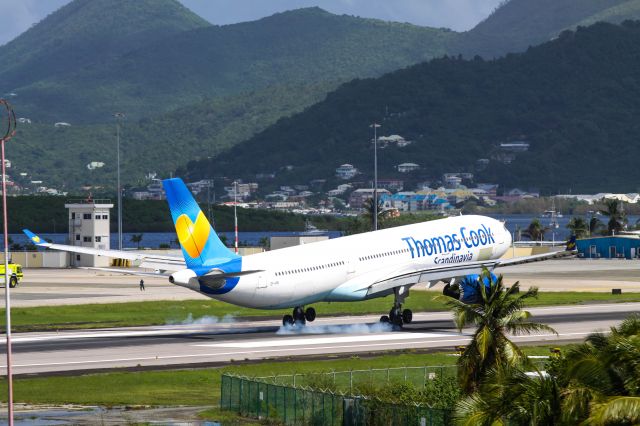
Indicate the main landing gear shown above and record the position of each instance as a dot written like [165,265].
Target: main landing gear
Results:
[397,316]
[299,316]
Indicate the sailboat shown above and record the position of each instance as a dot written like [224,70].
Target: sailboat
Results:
[553,215]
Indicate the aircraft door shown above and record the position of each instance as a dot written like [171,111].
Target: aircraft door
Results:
[351,266]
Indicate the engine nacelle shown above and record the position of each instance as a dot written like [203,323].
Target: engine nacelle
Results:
[185,278]
[467,289]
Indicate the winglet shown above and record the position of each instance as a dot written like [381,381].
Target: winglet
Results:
[35,239]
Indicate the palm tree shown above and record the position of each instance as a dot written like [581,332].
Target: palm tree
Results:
[578,226]
[595,225]
[596,383]
[617,218]
[535,231]
[509,395]
[601,377]
[137,238]
[497,314]
[370,211]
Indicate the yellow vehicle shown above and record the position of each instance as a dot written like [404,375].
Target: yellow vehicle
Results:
[15,274]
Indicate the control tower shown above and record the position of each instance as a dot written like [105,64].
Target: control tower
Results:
[89,227]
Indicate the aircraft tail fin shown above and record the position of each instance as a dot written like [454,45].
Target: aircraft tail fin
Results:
[571,244]
[199,242]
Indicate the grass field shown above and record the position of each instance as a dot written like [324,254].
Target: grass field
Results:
[166,312]
[194,387]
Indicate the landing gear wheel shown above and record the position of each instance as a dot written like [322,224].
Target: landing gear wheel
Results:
[13,282]
[310,314]
[407,316]
[384,319]
[287,320]
[395,315]
[298,315]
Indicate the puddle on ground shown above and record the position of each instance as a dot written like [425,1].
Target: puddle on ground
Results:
[29,415]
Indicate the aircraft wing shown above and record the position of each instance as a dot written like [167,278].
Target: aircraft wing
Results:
[382,281]
[142,260]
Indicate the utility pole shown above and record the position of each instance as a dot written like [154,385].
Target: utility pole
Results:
[375,175]
[235,213]
[10,132]
[119,116]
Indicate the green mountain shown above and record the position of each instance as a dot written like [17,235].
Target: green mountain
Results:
[59,156]
[197,89]
[518,24]
[86,32]
[301,46]
[623,11]
[575,100]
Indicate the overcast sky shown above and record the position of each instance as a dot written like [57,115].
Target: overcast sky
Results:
[18,15]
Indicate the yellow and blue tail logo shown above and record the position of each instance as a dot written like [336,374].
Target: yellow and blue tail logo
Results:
[199,242]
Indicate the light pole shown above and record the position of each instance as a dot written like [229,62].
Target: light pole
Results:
[235,214]
[119,116]
[375,175]
[10,131]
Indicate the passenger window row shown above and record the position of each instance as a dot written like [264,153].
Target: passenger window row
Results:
[310,268]
[379,255]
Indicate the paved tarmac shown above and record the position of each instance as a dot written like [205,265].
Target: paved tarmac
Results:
[193,345]
[597,275]
[47,287]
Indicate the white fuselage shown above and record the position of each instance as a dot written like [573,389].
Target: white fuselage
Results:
[305,274]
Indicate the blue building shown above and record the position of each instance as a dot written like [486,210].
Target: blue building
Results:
[620,246]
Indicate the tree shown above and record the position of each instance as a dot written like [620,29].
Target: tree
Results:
[370,211]
[498,313]
[265,243]
[509,395]
[137,238]
[597,382]
[535,231]
[595,225]
[617,218]
[578,227]
[601,377]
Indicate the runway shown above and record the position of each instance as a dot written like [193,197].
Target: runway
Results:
[210,344]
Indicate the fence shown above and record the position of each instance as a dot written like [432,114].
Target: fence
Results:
[349,381]
[292,400]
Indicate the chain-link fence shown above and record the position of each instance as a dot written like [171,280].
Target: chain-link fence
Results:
[329,398]
[350,381]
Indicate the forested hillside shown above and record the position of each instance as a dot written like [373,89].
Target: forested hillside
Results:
[86,32]
[190,87]
[59,156]
[300,46]
[518,24]
[575,100]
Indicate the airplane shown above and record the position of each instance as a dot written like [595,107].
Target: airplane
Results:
[352,268]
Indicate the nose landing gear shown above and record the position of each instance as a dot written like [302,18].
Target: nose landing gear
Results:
[299,316]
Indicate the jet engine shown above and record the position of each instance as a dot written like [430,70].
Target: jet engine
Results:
[467,289]
[184,278]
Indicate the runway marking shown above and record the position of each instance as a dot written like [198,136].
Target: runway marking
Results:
[461,339]
[141,333]
[322,340]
